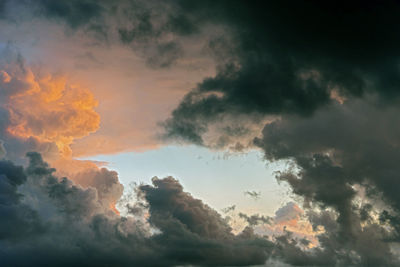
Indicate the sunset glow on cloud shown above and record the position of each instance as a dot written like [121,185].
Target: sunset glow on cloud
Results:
[49,109]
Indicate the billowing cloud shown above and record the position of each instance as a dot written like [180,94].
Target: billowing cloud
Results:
[55,222]
[342,148]
[47,108]
[165,226]
[106,182]
[330,81]
[285,57]
[288,220]
[182,218]
[43,110]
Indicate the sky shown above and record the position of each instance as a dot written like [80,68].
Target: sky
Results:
[199,133]
[197,168]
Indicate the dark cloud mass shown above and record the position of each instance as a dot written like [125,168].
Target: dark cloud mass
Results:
[339,149]
[329,73]
[49,221]
[281,57]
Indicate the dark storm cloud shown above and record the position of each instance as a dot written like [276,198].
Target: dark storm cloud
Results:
[298,60]
[48,220]
[197,234]
[280,57]
[354,142]
[339,147]
[18,220]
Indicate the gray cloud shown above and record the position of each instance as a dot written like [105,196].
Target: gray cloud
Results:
[106,183]
[340,147]
[253,194]
[3,151]
[75,13]
[51,221]
[194,230]
[255,219]
[75,224]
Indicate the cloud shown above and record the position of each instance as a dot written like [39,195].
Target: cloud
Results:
[321,78]
[132,97]
[3,151]
[42,108]
[229,209]
[47,113]
[253,194]
[144,26]
[62,34]
[106,182]
[187,225]
[329,82]
[167,226]
[339,149]
[49,109]
[270,59]
[289,222]
[291,211]
[282,57]
[75,13]
[255,219]
[55,222]
[19,221]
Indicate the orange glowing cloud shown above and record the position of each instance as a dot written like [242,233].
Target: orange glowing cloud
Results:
[51,110]
[48,108]
[290,218]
